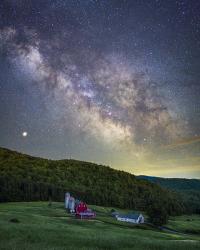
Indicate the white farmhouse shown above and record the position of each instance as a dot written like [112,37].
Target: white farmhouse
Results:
[132,218]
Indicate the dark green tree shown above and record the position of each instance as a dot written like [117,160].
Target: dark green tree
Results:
[157,213]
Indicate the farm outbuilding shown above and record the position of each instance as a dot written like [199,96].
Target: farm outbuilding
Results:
[132,218]
[114,214]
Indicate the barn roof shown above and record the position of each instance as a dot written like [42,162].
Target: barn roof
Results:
[129,216]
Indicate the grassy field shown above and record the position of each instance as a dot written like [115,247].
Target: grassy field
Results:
[186,224]
[34,225]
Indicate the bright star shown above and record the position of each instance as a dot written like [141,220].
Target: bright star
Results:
[24,134]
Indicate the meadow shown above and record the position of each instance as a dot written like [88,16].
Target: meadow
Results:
[186,224]
[35,225]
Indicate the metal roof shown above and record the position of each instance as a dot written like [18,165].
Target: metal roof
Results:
[129,216]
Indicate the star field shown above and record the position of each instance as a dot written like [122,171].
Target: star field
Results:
[112,82]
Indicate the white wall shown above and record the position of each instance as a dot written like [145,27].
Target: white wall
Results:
[127,220]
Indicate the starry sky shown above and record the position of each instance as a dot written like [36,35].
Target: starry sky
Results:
[114,82]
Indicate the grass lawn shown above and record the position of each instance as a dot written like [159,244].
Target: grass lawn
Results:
[186,223]
[43,227]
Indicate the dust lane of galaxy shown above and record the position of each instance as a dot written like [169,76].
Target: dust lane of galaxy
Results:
[112,82]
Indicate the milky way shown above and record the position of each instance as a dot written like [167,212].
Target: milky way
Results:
[103,81]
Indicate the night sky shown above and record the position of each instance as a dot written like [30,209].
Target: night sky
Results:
[111,82]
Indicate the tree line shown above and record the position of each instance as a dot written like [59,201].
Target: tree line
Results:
[26,178]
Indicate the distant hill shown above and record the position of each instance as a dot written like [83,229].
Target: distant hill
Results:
[188,188]
[178,184]
[27,178]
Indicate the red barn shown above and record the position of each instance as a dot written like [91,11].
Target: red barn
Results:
[83,212]
[81,207]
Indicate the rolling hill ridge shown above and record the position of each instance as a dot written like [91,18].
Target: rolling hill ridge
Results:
[189,189]
[27,178]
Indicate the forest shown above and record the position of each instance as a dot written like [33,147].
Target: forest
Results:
[188,189]
[27,178]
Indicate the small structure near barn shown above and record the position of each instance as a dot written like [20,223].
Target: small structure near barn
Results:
[114,214]
[132,218]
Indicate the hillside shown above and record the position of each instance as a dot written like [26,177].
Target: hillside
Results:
[178,184]
[189,189]
[27,178]
[35,225]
